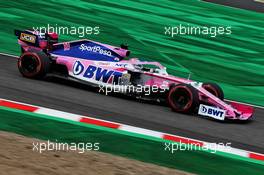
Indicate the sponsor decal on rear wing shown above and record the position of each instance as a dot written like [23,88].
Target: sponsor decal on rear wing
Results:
[26,36]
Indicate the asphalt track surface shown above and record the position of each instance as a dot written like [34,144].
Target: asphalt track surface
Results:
[253,5]
[72,98]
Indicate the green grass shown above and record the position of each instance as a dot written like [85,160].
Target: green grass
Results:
[122,143]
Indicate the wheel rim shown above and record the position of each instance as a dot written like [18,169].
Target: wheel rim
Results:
[181,98]
[29,64]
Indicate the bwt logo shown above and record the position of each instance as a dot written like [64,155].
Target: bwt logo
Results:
[78,68]
[97,73]
[96,49]
[212,112]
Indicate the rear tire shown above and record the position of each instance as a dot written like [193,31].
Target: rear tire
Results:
[33,64]
[214,89]
[183,98]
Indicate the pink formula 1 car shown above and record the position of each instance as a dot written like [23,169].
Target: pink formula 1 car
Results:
[103,66]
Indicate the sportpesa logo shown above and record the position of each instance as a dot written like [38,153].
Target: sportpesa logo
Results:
[96,49]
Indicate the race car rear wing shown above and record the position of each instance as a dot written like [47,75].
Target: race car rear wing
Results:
[37,39]
[27,37]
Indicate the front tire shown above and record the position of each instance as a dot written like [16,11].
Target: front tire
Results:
[33,64]
[214,89]
[183,98]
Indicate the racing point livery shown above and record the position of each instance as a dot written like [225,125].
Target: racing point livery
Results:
[104,67]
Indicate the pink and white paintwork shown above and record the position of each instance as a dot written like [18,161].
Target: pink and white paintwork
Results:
[99,64]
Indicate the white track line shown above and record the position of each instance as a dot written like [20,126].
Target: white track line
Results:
[132,129]
[5,54]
